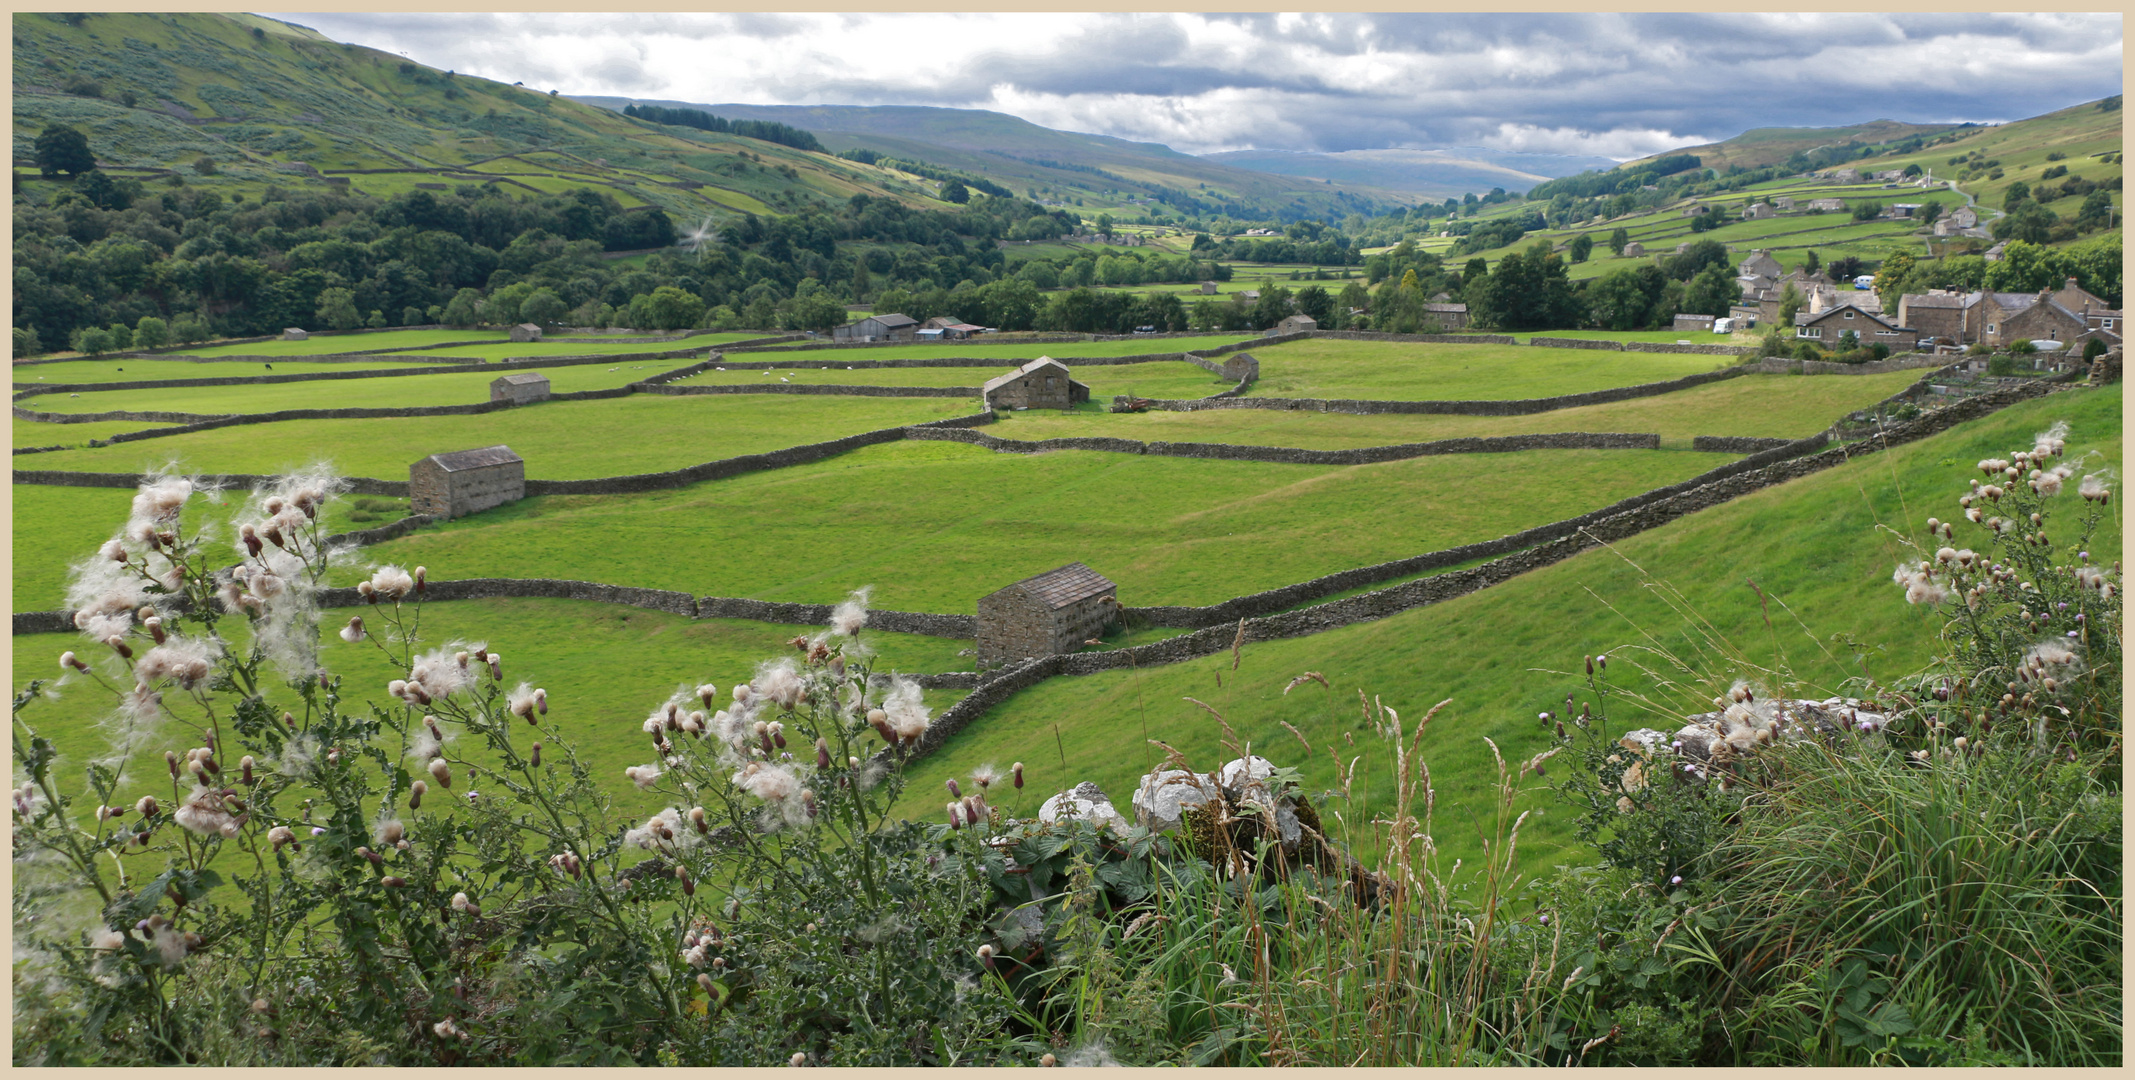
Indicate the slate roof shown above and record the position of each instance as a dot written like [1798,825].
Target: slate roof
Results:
[893,320]
[1461,308]
[1933,300]
[1070,584]
[1003,380]
[460,460]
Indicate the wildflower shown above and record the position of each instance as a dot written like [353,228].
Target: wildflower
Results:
[391,583]
[1048,1061]
[798,1060]
[904,711]
[521,702]
[1676,880]
[185,661]
[984,776]
[534,759]
[986,956]
[169,944]
[390,831]
[353,632]
[441,772]
[847,618]
[282,834]
[436,674]
[954,792]
[660,828]
[463,905]
[644,776]
[2093,488]
[697,820]
[780,682]
[1016,771]
[203,812]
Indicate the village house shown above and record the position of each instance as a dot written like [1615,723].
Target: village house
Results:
[2006,318]
[1994,254]
[1783,202]
[1295,324]
[1940,314]
[1870,328]
[1041,384]
[1054,612]
[1964,217]
[889,326]
[465,482]
[1847,176]
[520,388]
[526,331]
[1761,264]
[1447,316]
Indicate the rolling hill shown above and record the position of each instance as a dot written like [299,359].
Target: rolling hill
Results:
[1437,174]
[1102,171]
[1759,147]
[269,102]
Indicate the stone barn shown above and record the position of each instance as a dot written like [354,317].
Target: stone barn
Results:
[291,333]
[522,388]
[1692,322]
[1633,250]
[1041,384]
[1295,324]
[526,331]
[465,482]
[1054,612]
[1241,366]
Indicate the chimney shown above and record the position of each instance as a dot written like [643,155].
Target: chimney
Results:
[2071,284]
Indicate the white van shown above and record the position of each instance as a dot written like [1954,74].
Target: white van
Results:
[1723,326]
[1865,281]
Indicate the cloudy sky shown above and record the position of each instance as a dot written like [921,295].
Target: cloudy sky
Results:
[1620,86]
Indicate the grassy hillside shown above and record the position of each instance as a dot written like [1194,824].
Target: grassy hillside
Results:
[1509,652]
[1104,172]
[1759,147]
[276,104]
[1435,174]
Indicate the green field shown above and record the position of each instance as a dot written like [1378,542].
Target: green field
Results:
[1507,653]
[1767,406]
[28,433]
[935,525]
[1398,371]
[346,343]
[465,388]
[1656,337]
[606,667]
[119,369]
[995,349]
[561,440]
[1158,379]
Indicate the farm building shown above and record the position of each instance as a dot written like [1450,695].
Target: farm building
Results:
[291,333]
[1455,316]
[1054,612]
[1208,288]
[1904,210]
[1241,366]
[1634,250]
[1041,384]
[1870,328]
[1295,324]
[1761,264]
[465,482]
[1758,212]
[947,328]
[526,331]
[890,326]
[1823,205]
[1692,322]
[1964,217]
[1783,202]
[521,388]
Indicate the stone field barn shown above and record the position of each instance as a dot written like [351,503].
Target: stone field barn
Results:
[521,388]
[465,482]
[1054,612]
[1041,384]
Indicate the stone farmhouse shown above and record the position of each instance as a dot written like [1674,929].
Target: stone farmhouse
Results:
[465,482]
[1054,612]
[1455,316]
[2068,314]
[526,331]
[889,326]
[1868,326]
[1041,384]
[1759,212]
[520,388]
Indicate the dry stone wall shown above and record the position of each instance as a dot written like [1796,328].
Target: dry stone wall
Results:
[1292,456]
[1509,407]
[1735,444]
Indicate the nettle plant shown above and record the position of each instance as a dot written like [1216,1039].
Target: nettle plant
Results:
[2031,620]
[425,871]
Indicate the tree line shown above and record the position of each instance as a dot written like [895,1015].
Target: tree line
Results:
[767,130]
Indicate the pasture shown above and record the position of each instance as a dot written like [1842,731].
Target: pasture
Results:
[1402,371]
[935,525]
[1507,653]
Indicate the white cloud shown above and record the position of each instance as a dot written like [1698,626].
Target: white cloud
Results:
[1617,85]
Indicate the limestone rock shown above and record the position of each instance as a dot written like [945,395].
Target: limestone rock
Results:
[1161,801]
[1241,771]
[1087,802]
